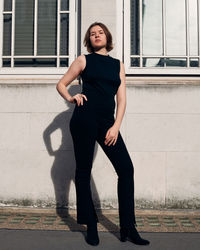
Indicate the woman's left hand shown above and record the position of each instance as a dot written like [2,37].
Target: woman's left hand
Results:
[111,136]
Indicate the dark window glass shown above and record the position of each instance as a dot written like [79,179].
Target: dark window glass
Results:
[7,25]
[7,5]
[47,27]
[64,34]
[24,27]
[135,27]
[64,62]
[135,62]
[35,62]
[6,62]
[64,4]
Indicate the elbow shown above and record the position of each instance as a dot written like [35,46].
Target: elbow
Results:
[58,85]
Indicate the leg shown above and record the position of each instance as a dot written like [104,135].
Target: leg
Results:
[83,131]
[120,159]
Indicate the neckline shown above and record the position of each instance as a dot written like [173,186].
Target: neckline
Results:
[101,54]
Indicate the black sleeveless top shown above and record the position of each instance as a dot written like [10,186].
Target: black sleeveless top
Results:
[101,80]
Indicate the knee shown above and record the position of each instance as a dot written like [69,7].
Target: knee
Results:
[82,175]
[127,171]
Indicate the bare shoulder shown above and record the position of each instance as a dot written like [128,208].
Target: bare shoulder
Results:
[122,68]
[81,60]
[121,64]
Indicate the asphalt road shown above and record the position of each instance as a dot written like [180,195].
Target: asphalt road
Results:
[11,239]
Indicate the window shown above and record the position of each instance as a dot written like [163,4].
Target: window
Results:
[162,36]
[38,35]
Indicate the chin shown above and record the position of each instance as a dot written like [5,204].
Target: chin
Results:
[99,47]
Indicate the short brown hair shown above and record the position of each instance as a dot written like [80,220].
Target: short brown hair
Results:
[87,43]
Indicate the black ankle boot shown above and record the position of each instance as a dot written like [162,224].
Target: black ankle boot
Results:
[133,235]
[92,237]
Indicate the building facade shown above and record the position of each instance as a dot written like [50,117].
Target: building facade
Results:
[159,43]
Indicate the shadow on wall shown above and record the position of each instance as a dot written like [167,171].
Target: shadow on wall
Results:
[63,168]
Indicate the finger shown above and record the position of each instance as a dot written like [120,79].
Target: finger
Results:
[107,134]
[80,99]
[85,97]
[115,140]
[78,102]
[111,141]
[75,98]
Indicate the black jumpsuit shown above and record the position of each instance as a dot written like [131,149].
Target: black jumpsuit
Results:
[89,123]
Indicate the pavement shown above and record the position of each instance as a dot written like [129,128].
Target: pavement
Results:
[67,240]
[41,228]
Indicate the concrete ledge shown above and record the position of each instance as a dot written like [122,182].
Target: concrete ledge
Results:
[63,219]
[130,80]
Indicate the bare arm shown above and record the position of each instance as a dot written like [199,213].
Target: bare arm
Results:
[121,98]
[74,70]
[112,133]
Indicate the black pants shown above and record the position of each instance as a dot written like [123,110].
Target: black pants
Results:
[86,128]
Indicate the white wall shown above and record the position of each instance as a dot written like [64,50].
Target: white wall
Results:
[160,128]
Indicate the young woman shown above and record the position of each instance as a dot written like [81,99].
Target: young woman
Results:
[93,120]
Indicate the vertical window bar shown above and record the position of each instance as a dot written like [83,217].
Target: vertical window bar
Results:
[1,28]
[13,34]
[141,31]
[35,27]
[198,29]
[187,32]
[58,33]
[164,29]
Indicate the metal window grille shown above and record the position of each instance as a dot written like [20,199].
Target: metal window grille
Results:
[150,44]
[36,33]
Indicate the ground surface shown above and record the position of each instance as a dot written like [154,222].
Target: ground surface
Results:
[67,240]
[147,220]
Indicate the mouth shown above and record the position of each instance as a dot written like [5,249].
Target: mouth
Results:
[98,40]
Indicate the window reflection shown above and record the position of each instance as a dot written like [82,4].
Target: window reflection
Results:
[193,28]
[152,27]
[169,33]
[175,27]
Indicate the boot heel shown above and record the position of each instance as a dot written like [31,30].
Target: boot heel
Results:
[123,235]
[92,237]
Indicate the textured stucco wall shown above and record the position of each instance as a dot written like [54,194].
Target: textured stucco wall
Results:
[160,128]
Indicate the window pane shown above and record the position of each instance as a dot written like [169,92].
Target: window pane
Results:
[135,62]
[6,62]
[24,27]
[193,29]
[194,62]
[47,27]
[153,62]
[37,62]
[64,62]
[175,62]
[64,4]
[152,27]
[135,35]
[64,34]
[7,5]
[7,25]
[175,27]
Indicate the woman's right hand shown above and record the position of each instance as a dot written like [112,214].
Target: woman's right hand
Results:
[78,98]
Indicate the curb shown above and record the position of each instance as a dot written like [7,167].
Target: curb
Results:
[148,220]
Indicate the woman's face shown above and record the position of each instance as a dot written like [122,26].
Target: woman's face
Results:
[97,37]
